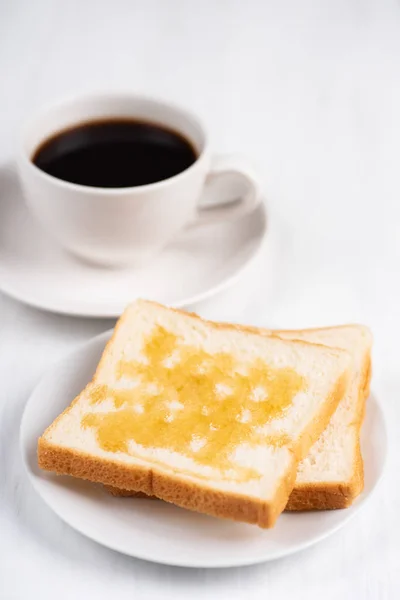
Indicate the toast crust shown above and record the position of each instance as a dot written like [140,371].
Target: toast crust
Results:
[187,492]
[321,495]
[181,492]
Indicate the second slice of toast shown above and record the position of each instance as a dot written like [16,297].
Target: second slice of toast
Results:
[332,474]
[207,416]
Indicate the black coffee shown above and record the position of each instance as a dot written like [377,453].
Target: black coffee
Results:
[115,154]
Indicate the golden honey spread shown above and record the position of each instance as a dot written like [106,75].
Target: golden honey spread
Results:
[186,400]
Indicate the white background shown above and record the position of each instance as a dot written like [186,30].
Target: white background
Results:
[310,91]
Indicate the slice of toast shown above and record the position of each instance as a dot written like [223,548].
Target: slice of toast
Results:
[204,415]
[332,474]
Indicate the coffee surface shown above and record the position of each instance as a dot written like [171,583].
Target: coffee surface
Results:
[115,153]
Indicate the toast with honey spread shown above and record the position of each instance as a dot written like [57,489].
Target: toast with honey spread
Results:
[332,474]
[208,416]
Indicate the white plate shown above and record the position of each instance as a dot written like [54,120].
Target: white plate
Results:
[201,262]
[158,531]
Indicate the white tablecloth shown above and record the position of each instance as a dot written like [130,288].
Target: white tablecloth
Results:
[310,91]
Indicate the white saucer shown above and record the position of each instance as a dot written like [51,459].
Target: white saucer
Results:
[201,262]
[158,531]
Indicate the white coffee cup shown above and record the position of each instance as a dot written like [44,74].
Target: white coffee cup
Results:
[117,226]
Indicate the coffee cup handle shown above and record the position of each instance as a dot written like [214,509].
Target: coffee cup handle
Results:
[238,191]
